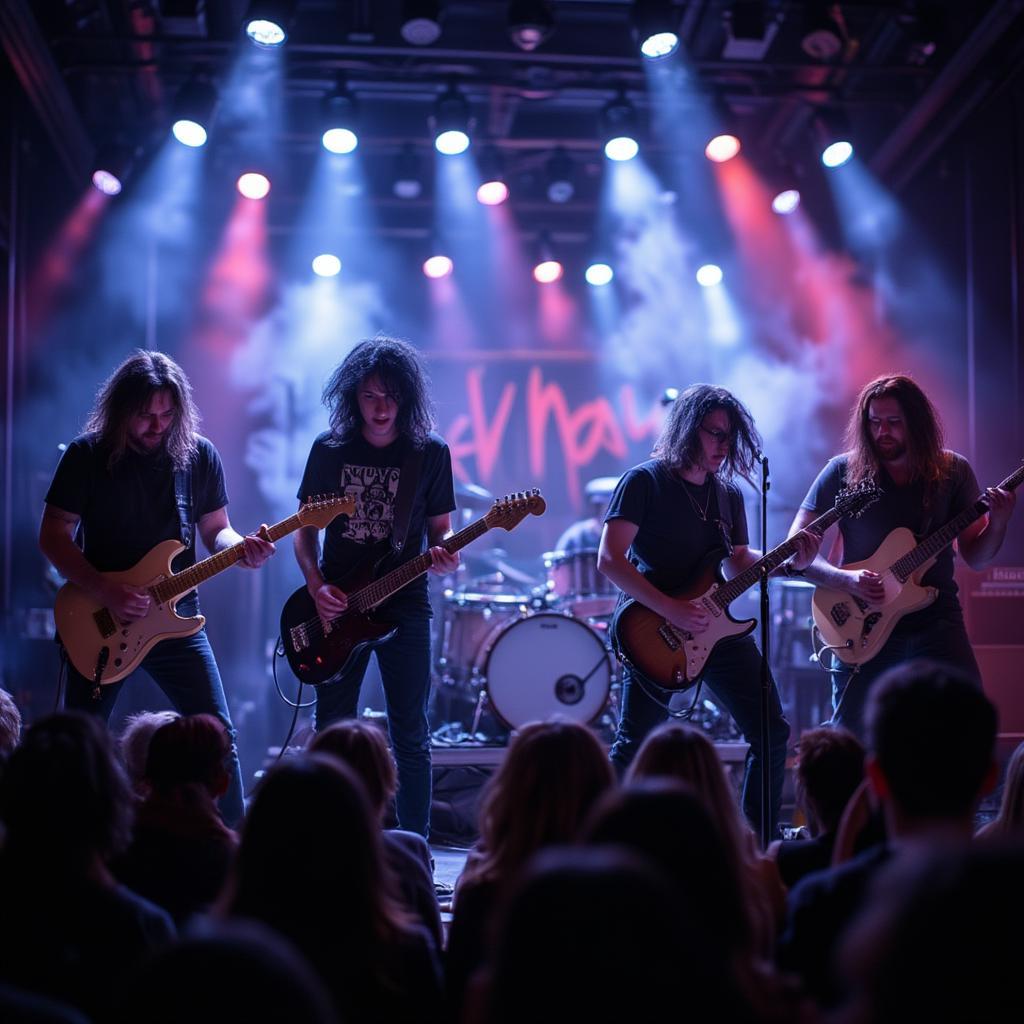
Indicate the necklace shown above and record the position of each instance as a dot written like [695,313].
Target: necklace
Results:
[700,513]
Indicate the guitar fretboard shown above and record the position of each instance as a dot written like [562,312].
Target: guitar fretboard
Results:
[190,578]
[380,590]
[903,568]
[728,592]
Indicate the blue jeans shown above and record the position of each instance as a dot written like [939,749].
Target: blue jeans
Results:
[186,670]
[733,676]
[935,633]
[404,662]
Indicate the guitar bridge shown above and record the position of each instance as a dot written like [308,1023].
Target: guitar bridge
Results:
[105,623]
[669,635]
[840,613]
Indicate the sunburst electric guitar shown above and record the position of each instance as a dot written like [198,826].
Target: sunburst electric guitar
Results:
[675,659]
[105,650]
[317,651]
[856,631]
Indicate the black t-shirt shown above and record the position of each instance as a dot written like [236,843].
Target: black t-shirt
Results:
[370,475]
[127,510]
[899,506]
[673,544]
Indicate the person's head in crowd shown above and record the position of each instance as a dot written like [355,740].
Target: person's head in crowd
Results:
[64,797]
[10,725]
[134,741]
[939,939]
[931,739]
[1010,819]
[552,774]
[311,814]
[233,970]
[364,748]
[189,751]
[829,768]
[679,751]
[595,935]
[670,823]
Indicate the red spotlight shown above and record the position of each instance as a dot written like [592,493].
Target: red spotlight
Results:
[438,266]
[547,272]
[492,193]
[722,148]
[254,185]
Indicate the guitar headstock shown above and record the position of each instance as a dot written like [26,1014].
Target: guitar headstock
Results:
[853,501]
[510,511]
[322,509]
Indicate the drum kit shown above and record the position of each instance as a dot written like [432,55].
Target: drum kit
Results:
[517,646]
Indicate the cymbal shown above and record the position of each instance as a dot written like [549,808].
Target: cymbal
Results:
[494,560]
[472,496]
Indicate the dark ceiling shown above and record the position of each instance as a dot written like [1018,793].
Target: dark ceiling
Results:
[906,74]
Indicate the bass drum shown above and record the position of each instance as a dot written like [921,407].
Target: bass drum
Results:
[545,664]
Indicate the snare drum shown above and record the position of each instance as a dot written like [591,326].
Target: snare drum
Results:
[543,664]
[577,585]
[468,619]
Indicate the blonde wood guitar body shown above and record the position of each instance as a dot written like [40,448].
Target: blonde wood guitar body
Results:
[857,631]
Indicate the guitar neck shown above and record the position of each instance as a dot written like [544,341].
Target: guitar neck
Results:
[380,590]
[182,582]
[903,568]
[728,592]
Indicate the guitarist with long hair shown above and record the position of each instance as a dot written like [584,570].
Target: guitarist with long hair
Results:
[894,437]
[670,520]
[381,432]
[140,474]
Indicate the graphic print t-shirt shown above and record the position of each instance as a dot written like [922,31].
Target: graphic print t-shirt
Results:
[371,476]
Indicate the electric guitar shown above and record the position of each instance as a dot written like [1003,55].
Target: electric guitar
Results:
[317,651]
[673,658]
[856,631]
[105,650]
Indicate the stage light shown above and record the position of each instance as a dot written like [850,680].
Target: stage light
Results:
[438,266]
[193,111]
[267,21]
[451,123]
[599,274]
[492,193]
[822,37]
[254,185]
[548,271]
[339,117]
[326,265]
[106,182]
[530,22]
[421,21]
[722,148]
[654,25]
[619,123]
[111,168]
[560,174]
[407,182]
[786,201]
[837,153]
[493,190]
[709,275]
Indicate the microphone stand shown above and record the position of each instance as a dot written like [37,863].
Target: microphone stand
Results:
[766,679]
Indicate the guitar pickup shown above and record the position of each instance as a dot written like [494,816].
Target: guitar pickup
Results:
[668,634]
[840,613]
[300,638]
[105,623]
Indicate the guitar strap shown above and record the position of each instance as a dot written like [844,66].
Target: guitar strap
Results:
[408,481]
[183,501]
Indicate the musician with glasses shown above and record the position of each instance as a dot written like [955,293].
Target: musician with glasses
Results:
[894,438]
[141,474]
[669,519]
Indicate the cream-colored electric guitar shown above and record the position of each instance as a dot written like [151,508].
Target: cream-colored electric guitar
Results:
[856,631]
[105,650]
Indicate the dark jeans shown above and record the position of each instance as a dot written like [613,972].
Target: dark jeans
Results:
[404,662]
[733,676]
[186,670]
[935,633]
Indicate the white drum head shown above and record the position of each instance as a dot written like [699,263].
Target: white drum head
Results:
[547,664]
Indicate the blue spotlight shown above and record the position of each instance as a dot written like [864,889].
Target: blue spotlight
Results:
[622,147]
[451,123]
[654,23]
[189,133]
[340,115]
[619,123]
[452,142]
[786,201]
[192,112]
[837,154]
[339,140]
[326,265]
[106,182]
[599,274]
[267,21]
[709,275]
